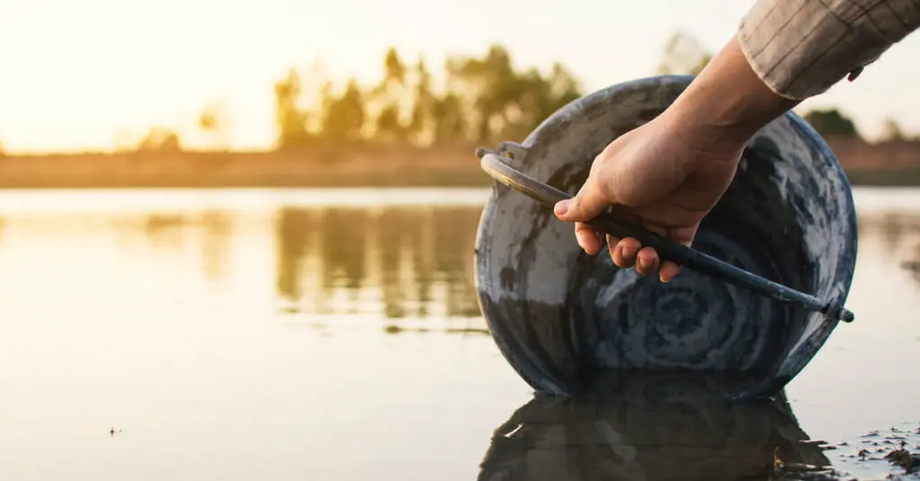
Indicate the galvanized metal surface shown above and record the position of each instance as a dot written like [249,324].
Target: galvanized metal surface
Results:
[560,317]
[668,250]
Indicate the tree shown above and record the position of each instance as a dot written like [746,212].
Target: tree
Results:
[542,96]
[344,116]
[484,99]
[492,86]
[831,123]
[420,126]
[160,140]
[504,102]
[390,95]
[891,131]
[683,54]
[214,121]
[448,118]
[290,120]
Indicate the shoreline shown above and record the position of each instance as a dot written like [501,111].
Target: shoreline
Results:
[893,164]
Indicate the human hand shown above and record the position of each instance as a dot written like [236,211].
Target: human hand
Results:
[657,175]
[669,173]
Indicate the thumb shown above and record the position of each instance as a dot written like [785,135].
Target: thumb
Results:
[587,204]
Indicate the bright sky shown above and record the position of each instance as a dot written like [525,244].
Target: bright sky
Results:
[75,73]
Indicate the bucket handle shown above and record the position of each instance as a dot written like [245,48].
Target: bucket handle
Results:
[500,170]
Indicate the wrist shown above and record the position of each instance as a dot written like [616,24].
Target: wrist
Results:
[726,104]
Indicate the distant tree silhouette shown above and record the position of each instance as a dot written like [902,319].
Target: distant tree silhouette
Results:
[344,116]
[290,119]
[214,121]
[422,121]
[391,95]
[504,103]
[492,86]
[831,123]
[484,99]
[891,131]
[449,118]
[544,95]
[160,139]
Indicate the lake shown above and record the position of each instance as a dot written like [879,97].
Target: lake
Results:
[335,335]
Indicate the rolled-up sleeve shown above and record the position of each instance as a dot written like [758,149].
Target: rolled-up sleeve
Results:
[800,48]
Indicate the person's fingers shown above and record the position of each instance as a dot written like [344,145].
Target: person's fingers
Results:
[669,270]
[624,255]
[587,204]
[589,239]
[612,246]
[647,261]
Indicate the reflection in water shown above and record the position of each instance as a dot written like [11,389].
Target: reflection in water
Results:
[912,264]
[650,427]
[215,244]
[167,232]
[394,329]
[892,232]
[110,305]
[402,262]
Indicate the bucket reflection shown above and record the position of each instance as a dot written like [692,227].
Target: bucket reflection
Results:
[648,426]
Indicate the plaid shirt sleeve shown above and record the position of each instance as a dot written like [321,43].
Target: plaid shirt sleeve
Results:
[800,48]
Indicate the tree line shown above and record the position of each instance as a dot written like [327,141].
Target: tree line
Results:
[476,98]
[480,99]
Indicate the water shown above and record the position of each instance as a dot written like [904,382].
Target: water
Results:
[334,334]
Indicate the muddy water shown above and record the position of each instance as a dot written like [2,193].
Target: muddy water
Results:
[335,335]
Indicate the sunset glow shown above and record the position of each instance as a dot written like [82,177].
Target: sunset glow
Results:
[81,75]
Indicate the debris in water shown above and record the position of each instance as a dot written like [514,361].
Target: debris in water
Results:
[903,458]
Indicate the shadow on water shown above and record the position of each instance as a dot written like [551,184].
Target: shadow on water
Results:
[401,262]
[654,427]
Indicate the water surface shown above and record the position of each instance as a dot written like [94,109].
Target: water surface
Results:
[335,334]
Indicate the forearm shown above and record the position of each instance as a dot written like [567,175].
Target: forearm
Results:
[726,104]
[784,52]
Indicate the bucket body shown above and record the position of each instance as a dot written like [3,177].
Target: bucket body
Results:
[561,317]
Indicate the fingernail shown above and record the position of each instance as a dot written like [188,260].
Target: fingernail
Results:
[627,252]
[562,207]
[645,263]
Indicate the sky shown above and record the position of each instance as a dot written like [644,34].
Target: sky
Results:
[81,74]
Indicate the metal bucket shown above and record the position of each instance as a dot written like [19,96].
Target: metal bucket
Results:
[561,317]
